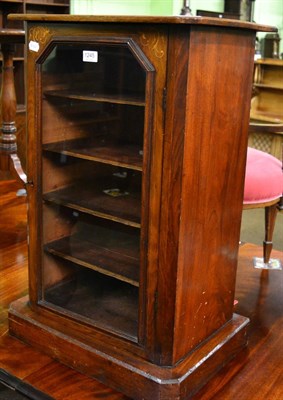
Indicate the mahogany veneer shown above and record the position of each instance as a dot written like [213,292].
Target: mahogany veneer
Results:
[166,333]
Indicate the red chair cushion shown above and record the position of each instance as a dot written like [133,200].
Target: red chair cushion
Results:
[264,177]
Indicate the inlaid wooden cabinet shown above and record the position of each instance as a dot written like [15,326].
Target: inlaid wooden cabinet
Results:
[137,135]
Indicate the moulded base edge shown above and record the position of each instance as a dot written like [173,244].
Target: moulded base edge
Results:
[131,375]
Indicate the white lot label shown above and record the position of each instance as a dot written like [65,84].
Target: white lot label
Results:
[33,46]
[90,56]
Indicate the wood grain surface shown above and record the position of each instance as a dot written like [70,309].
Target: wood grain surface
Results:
[255,374]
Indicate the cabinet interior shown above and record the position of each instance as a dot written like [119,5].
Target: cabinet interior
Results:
[92,133]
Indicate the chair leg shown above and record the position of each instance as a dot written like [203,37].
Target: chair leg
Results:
[270,217]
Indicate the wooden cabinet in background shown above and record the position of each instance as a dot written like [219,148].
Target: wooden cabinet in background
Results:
[25,7]
[16,53]
[267,103]
[137,146]
[267,106]
[9,161]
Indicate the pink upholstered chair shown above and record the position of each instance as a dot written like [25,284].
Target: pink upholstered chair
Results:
[264,188]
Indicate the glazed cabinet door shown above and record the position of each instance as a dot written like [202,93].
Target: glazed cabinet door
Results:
[93,127]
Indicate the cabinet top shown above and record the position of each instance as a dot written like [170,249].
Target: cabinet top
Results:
[139,19]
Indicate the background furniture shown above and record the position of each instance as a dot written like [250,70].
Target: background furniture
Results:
[243,9]
[233,9]
[9,160]
[25,7]
[186,10]
[216,14]
[266,130]
[270,46]
[267,137]
[268,91]
[16,58]
[264,189]
[134,147]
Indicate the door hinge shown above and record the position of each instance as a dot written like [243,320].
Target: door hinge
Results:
[29,183]
[156,302]
[164,99]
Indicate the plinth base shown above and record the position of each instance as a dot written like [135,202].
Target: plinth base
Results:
[125,372]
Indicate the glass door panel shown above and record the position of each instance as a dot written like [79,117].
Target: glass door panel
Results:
[92,171]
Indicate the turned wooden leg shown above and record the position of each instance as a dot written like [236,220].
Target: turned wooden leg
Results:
[270,217]
[9,161]
[8,100]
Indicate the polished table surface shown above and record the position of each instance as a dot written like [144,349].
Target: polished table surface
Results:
[255,374]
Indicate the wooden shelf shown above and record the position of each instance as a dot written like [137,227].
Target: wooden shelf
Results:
[104,98]
[83,113]
[269,61]
[91,199]
[12,1]
[47,3]
[15,59]
[115,255]
[265,117]
[259,127]
[268,86]
[266,105]
[99,300]
[126,156]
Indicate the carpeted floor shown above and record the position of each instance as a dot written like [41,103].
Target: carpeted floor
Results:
[252,229]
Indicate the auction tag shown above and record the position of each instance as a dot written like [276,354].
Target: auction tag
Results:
[33,46]
[90,56]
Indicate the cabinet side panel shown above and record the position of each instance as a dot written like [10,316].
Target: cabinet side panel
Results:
[33,166]
[217,117]
[153,42]
[171,191]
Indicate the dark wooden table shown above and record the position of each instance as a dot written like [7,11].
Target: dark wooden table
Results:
[255,374]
